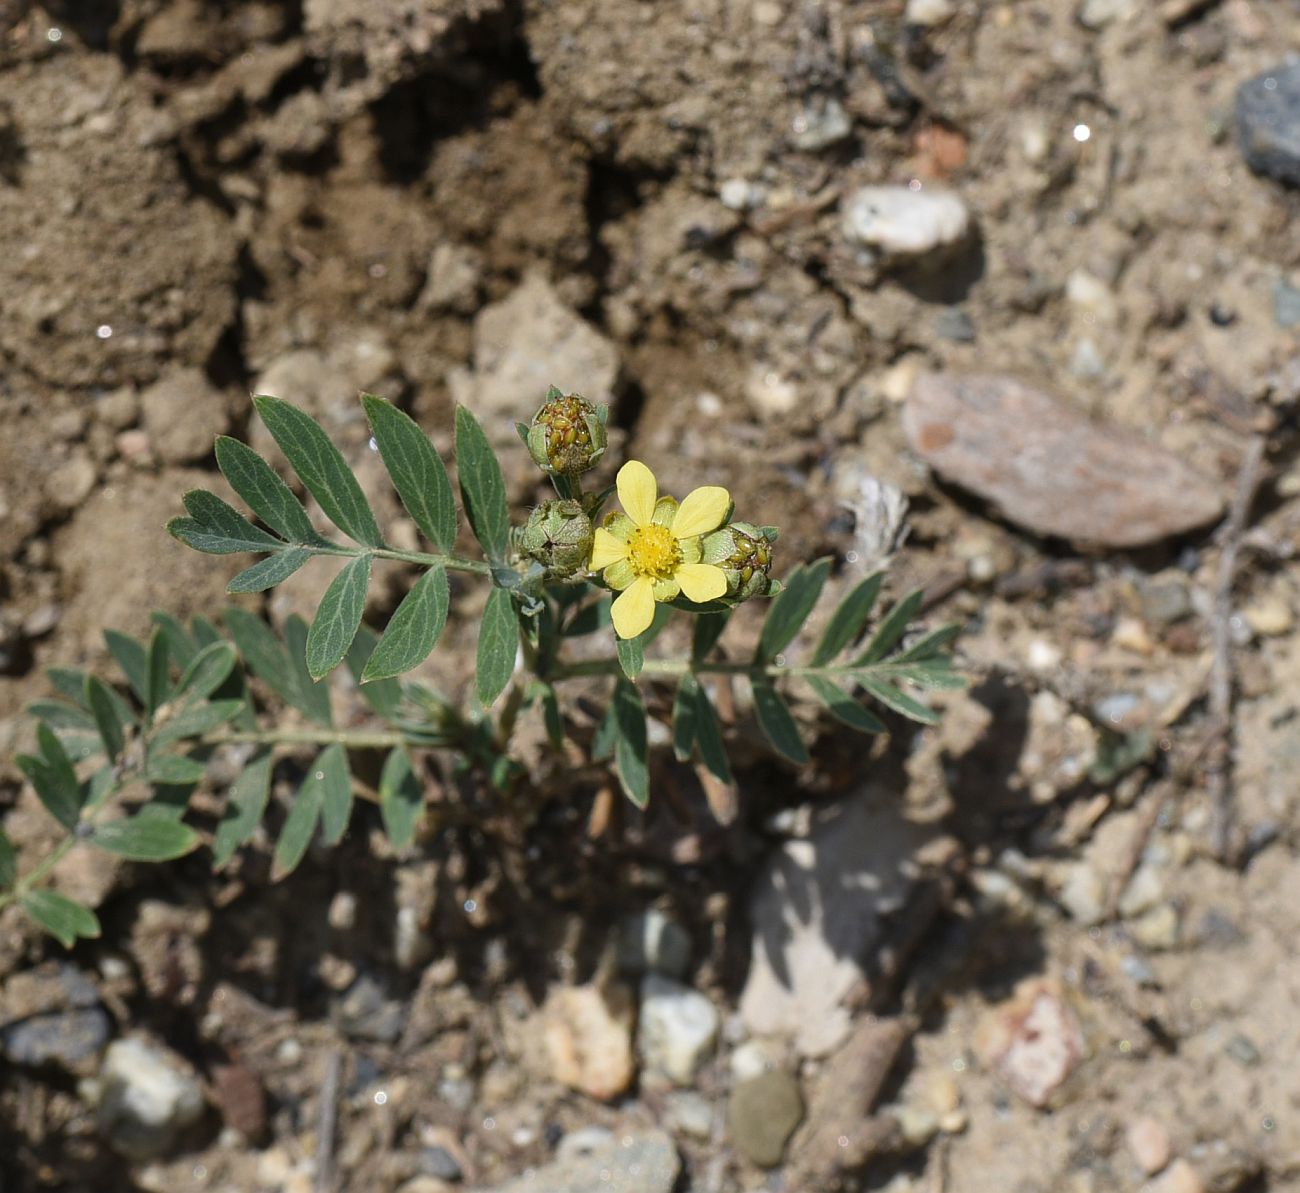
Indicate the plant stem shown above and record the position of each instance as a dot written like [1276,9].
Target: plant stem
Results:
[353,739]
[451,562]
[37,876]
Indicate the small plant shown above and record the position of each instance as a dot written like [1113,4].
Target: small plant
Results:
[116,763]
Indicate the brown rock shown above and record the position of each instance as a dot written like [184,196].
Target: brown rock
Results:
[1050,469]
[183,415]
[1033,1040]
[586,1034]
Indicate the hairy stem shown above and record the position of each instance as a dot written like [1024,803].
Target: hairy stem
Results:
[350,738]
[453,563]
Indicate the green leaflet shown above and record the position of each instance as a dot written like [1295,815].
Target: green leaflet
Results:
[482,487]
[630,745]
[413,629]
[706,632]
[776,722]
[336,784]
[263,653]
[245,806]
[338,617]
[207,671]
[383,695]
[300,824]
[790,609]
[173,769]
[498,644]
[891,628]
[849,619]
[180,644]
[157,672]
[195,720]
[8,862]
[61,917]
[108,720]
[899,701]
[217,528]
[685,717]
[266,494]
[843,707]
[267,573]
[130,654]
[631,654]
[51,774]
[145,838]
[401,798]
[708,735]
[310,697]
[322,469]
[417,471]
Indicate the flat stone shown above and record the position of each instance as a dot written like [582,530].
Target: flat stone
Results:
[586,1039]
[526,342]
[645,1162]
[1268,122]
[678,1028]
[147,1097]
[1049,468]
[900,222]
[817,914]
[762,1115]
[183,415]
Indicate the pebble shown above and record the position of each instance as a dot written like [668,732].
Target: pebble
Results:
[1156,929]
[183,415]
[1165,600]
[752,1058]
[929,13]
[634,1162]
[439,1162]
[762,1114]
[365,1013]
[900,222]
[679,1028]
[1097,14]
[586,1033]
[819,126]
[1268,122]
[1179,1177]
[952,323]
[1270,617]
[1033,1040]
[51,1015]
[1051,469]
[68,485]
[147,1097]
[1286,304]
[690,1113]
[651,942]
[916,1124]
[1149,1143]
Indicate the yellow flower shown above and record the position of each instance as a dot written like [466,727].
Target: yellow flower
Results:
[652,552]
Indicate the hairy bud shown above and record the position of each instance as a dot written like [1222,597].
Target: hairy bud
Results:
[567,435]
[558,535]
[748,564]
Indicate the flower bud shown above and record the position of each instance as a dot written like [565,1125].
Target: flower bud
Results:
[749,562]
[567,435]
[558,535]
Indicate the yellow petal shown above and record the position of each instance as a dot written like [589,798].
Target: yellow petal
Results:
[702,511]
[606,550]
[637,491]
[701,582]
[634,609]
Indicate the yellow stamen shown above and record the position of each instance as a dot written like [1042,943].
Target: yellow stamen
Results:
[653,551]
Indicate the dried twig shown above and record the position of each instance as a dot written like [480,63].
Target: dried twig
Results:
[329,1109]
[1149,815]
[1218,754]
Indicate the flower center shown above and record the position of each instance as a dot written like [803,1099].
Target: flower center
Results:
[653,551]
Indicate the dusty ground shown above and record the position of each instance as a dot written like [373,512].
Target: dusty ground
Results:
[443,200]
